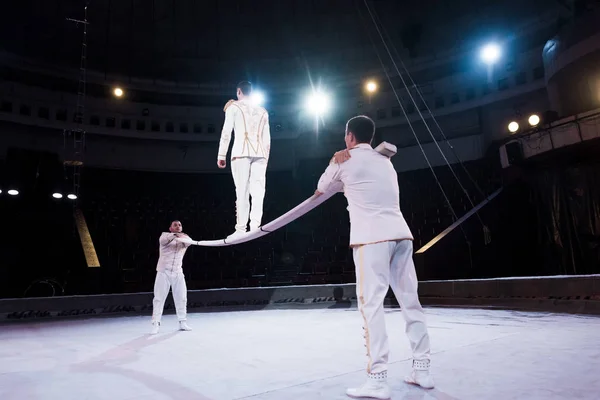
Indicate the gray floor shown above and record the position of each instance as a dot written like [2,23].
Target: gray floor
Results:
[298,354]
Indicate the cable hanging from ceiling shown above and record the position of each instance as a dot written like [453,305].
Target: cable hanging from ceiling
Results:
[379,27]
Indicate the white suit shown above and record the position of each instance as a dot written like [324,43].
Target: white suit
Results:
[169,274]
[249,157]
[382,246]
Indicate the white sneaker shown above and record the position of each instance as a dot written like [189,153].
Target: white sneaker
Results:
[376,387]
[235,235]
[420,375]
[183,326]
[155,327]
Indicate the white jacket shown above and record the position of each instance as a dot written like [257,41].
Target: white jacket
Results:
[370,183]
[252,134]
[171,253]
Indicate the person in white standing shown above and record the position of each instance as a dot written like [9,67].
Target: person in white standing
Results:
[249,155]
[169,274]
[382,249]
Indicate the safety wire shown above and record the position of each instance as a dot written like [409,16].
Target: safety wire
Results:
[414,85]
[487,237]
[411,126]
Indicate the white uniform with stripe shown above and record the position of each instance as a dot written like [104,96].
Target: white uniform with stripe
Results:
[249,157]
[169,274]
[382,246]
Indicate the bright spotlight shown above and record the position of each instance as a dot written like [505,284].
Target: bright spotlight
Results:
[534,120]
[371,86]
[13,192]
[257,97]
[490,53]
[72,197]
[118,92]
[513,127]
[57,195]
[318,103]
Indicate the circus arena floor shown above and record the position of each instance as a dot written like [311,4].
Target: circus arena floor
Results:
[297,354]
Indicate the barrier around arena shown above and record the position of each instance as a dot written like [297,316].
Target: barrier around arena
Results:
[564,293]
[572,294]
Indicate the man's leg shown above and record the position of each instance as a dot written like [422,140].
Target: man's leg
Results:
[240,169]
[180,299]
[372,264]
[161,290]
[405,284]
[258,184]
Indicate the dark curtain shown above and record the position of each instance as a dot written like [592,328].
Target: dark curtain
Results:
[567,200]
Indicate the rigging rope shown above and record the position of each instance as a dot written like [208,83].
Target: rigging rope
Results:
[414,85]
[487,237]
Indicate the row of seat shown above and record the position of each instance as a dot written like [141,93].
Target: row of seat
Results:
[127,216]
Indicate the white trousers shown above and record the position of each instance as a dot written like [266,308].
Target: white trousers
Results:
[166,280]
[249,177]
[378,266]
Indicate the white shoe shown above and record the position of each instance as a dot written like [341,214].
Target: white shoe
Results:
[235,235]
[155,327]
[420,375]
[183,326]
[376,387]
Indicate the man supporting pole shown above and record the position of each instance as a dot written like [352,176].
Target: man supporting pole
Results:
[382,247]
[169,274]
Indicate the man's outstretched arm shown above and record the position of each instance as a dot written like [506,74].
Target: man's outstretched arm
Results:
[341,156]
[330,180]
[384,148]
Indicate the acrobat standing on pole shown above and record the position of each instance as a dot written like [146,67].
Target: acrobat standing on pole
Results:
[249,156]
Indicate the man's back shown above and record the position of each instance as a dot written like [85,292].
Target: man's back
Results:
[371,187]
[252,119]
[250,123]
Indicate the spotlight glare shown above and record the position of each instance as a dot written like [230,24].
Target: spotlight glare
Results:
[118,92]
[72,197]
[13,192]
[371,86]
[534,120]
[318,103]
[490,53]
[513,127]
[257,97]
[57,195]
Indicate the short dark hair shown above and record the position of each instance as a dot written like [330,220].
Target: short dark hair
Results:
[362,127]
[245,87]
